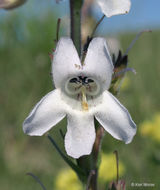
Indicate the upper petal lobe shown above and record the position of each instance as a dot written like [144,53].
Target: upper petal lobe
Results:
[66,62]
[98,62]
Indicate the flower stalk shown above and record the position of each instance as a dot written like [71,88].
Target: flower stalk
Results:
[87,163]
[75,23]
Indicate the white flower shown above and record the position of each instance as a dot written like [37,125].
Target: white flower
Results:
[81,94]
[114,7]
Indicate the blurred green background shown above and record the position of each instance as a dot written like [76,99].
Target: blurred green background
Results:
[25,77]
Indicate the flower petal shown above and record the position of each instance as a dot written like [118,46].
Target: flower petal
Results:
[115,118]
[66,62]
[114,7]
[98,63]
[47,113]
[80,134]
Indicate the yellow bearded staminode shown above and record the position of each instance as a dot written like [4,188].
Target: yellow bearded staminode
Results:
[151,128]
[68,180]
[84,99]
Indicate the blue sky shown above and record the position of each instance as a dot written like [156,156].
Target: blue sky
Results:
[144,14]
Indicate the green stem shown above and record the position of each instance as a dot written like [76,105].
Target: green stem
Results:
[75,26]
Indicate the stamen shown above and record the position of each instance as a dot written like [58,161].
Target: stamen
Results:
[84,99]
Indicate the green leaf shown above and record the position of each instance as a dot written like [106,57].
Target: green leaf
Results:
[81,174]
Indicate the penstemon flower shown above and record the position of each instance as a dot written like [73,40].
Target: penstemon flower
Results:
[81,94]
[114,7]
